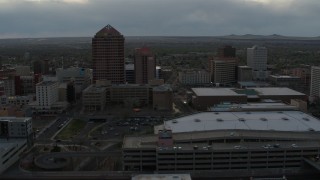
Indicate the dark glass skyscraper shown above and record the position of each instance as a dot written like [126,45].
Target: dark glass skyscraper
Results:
[108,55]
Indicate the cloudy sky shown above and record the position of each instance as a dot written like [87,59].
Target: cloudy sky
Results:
[74,18]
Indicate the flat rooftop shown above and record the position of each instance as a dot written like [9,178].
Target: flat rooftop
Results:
[284,76]
[187,140]
[15,119]
[163,87]
[254,107]
[215,92]
[94,89]
[5,144]
[46,83]
[277,91]
[294,121]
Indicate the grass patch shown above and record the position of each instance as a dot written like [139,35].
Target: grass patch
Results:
[71,129]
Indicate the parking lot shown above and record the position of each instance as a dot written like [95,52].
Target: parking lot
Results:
[117,128]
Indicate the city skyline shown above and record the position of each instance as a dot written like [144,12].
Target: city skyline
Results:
[81,18]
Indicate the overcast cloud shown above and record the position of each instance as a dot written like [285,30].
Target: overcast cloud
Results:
[65,18]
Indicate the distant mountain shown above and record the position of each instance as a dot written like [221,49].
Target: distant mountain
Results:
[158,39]
[273,36]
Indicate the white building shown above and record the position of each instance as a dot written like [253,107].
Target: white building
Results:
[257,59]
[46,93]
[315,81]
[194,77]
[81,76]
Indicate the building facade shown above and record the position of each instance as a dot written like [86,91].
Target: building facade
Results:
[227,51]
[292,82]
[257,57]
[94,98]
[81,77]
[144,65]
[130,74]
[47,93]
[223,70]
[8,84]
[162,98]
[194,77]
[315,81]
[15,127]
[108,55]
[244,73]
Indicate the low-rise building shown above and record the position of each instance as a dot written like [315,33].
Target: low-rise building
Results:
[81,77]
[227,142]
[142,94]
[194,77]
[163,97]
[292,82]
[207,97]
[94,98]
[17,100]
[15,127]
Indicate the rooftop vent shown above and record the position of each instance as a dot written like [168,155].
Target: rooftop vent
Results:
[280,112]
[219,119]
[311,129]
[216,113]
[241,119]
[195,147]
[248,112]
[197,120]
[284,118]
[174,121]
[263,119]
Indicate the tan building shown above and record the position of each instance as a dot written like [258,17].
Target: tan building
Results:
[144,65]
[141,95]
[163,97]
[62,92]
[206,97]
[194,77]
[94,98]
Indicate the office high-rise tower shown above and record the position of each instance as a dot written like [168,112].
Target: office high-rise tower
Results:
[315,81]
[257,60]
[108,55]
[144,65]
